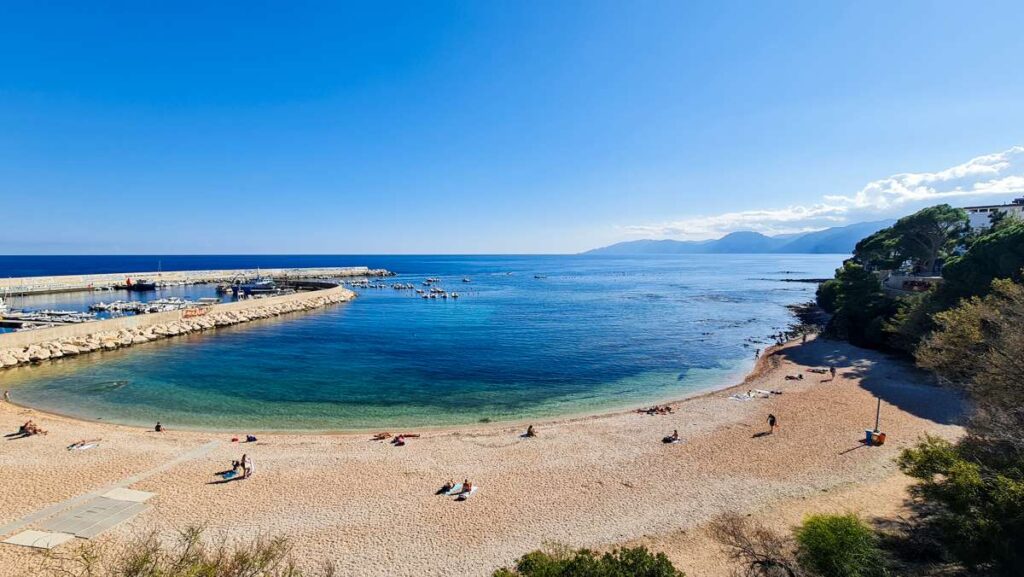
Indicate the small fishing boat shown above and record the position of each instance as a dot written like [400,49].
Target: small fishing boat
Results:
[139,285]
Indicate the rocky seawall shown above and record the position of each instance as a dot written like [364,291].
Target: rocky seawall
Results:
[114,334]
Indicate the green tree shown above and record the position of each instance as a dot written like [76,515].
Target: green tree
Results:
[977,347]
[974,502]
[857,303]
[974,490]
[560,562]
[839,546]
[921,238]
[998,254]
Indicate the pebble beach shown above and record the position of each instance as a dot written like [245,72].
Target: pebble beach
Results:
[370,508]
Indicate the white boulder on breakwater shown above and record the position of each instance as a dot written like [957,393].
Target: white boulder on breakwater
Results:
[115,339]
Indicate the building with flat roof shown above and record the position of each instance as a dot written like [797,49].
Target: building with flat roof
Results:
[981,216]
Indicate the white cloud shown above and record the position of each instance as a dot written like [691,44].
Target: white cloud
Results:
[999,173]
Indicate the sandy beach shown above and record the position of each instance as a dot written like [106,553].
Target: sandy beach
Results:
[596,481]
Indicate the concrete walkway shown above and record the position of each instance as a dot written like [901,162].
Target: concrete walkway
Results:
[93,510]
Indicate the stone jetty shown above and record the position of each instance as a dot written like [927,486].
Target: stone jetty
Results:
[112,334]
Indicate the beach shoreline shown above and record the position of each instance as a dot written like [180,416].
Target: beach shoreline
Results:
[587,481]
[627,407]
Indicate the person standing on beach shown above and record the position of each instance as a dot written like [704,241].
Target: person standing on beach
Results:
[757,354]
[832,371]
[7,396]
[773,423]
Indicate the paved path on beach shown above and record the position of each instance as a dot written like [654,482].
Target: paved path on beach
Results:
[124,483]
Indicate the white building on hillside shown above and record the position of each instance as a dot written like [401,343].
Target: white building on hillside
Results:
[980,215]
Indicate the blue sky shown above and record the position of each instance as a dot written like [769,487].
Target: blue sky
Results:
[436,127]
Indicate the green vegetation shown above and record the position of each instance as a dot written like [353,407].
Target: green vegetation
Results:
[921,238]
[822,546]
[189,556]
[857,303]
[839,546]
[969,332]
[865,315]
[974,490]
[561,562]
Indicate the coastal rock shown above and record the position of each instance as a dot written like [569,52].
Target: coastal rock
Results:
[70,349]
[37,353]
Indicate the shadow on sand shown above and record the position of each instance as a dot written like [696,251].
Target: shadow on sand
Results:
[891,379]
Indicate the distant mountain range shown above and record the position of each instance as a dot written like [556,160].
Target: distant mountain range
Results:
[836,240]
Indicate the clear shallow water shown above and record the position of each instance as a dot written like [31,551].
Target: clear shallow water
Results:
[595,333]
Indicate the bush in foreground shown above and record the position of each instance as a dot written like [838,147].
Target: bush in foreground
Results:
[839,546]
[560,562]
[188,556]
[974,498]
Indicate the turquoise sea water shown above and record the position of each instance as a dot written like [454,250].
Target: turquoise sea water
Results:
[590,334]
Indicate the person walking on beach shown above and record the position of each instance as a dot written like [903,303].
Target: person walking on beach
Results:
[773,423]
[757,354]
[832,371]
[7,396]
[246,466]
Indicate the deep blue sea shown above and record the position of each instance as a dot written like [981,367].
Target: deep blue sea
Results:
[532,336]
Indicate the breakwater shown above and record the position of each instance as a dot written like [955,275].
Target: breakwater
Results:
[49,343]
[71,283]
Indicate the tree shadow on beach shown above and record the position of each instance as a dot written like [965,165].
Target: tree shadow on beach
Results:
[889,378]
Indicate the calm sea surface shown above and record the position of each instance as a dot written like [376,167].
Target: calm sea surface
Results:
[531,336]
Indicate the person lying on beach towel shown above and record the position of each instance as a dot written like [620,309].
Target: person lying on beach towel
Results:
[30,428]
[381,436]
[794,377]
[818,371]
[467,492]
[83,444]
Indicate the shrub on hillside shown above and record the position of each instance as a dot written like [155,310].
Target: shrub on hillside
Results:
[974,497]
[560,562]
[839,546]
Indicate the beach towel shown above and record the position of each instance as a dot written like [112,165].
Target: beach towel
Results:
[454,490]
[464,496]
[229,474]
[83,447]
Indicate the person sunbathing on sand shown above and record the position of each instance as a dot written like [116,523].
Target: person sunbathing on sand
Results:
[467,487]
[381,436]
[530,432]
